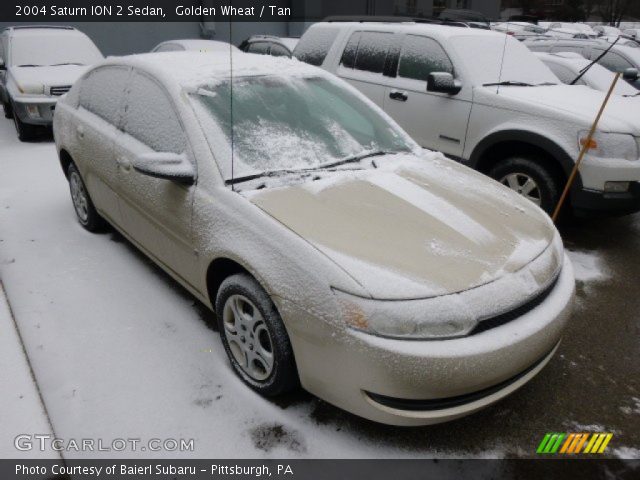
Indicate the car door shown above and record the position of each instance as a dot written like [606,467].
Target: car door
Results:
[363,63]
[156,213]
[435,120]
[101,99]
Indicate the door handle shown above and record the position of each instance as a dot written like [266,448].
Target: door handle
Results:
[123,163]
[398,95]
[80,131]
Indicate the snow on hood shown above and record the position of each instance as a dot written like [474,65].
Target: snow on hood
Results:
[49,76]
[412,227]
[577,101]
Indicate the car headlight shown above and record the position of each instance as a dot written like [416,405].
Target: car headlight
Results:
[31,88]
[609,145]
[407,319]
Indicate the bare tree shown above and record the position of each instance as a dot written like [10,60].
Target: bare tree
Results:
[613,11]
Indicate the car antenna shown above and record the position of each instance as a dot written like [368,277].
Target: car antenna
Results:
[504,51]
[586,69]
[231,96]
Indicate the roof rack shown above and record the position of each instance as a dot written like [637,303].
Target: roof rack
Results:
[393,19]
[52,27]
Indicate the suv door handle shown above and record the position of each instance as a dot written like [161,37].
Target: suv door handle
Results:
[123,163]
[398,95]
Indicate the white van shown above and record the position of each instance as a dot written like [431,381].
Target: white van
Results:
[484,99]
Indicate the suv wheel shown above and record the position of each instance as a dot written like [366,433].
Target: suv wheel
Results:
[86,212]
[528,177]
[254,336]
[25,131]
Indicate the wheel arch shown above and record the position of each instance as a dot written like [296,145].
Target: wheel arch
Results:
[65,161]
[220,269]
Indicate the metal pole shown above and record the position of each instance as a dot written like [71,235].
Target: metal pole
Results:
[586,145]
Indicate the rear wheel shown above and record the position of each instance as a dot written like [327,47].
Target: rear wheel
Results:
[528,176]
[86,212]
[254,336]
[8,112]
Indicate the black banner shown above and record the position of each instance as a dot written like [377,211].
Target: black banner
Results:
[320,469]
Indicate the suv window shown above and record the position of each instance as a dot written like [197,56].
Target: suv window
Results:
[372,51]
[151,118]
[421,56]
[611,61]
[315,44]
[348,59]
[261,48]
[101,92]
[279,51]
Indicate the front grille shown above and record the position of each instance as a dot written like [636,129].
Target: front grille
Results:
[59,90]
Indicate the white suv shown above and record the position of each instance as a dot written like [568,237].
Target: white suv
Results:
[37,65]
[484,99]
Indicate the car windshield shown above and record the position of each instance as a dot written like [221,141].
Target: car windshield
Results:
[291,123]
[498,59]
[44,49]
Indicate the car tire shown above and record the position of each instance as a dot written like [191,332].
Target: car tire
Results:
[528,176]
[8,112]
[254,336]
[85,210]
[25,131]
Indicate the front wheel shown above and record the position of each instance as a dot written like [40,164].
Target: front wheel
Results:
[25,131]
[86,212]
[8,112]
[529,177]
[254,336]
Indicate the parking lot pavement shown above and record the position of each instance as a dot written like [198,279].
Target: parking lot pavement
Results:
[119,350]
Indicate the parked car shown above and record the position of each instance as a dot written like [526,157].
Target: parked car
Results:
[269,45]
[470,18]
[620,58]
[570,30]
[633,33]
[482,98]
[194,45]
[567,66]
[519,30]
[37,65]
[602,30]
[338,254]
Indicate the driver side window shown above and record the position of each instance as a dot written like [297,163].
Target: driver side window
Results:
[421,56]
[151,118]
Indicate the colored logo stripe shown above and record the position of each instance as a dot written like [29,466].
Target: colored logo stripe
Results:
[573,443]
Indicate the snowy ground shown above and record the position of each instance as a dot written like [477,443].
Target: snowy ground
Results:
[118,350]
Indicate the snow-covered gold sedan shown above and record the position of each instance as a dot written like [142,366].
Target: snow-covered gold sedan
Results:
[336,253]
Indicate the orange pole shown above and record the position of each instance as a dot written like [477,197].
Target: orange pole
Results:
[586,145]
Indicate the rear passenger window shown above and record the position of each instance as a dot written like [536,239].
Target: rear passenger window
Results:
[151,118]
[279,51]
[372,51]
[348,59]
[261,48]
[102,91]
[315,44]
[421,56]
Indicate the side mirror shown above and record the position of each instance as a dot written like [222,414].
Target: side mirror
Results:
[169,166]
[443,82]
[630,74]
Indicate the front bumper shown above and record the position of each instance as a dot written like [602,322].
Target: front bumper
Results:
[595,203]
[354,370]
[44,105]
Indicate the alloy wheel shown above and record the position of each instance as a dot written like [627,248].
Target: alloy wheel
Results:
[524,185]
[79,196]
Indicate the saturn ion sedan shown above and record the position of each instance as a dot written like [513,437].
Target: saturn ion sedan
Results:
[336,253]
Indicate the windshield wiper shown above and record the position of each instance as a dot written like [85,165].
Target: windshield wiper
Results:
[508,83]
[586,69]
[67,63]
[355,158]
[273,173]
[30,65]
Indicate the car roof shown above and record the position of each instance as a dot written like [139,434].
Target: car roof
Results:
[289,42]
[198,43]
[442,32]
[30,30]
[193,69]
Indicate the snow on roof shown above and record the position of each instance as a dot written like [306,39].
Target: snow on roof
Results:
[193,69]
[44,31]
[441,31]
[196,44]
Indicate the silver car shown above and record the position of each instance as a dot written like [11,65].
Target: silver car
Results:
[336,253]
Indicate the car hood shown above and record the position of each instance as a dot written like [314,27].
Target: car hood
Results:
[576,101]
[51,76]
[414,227]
